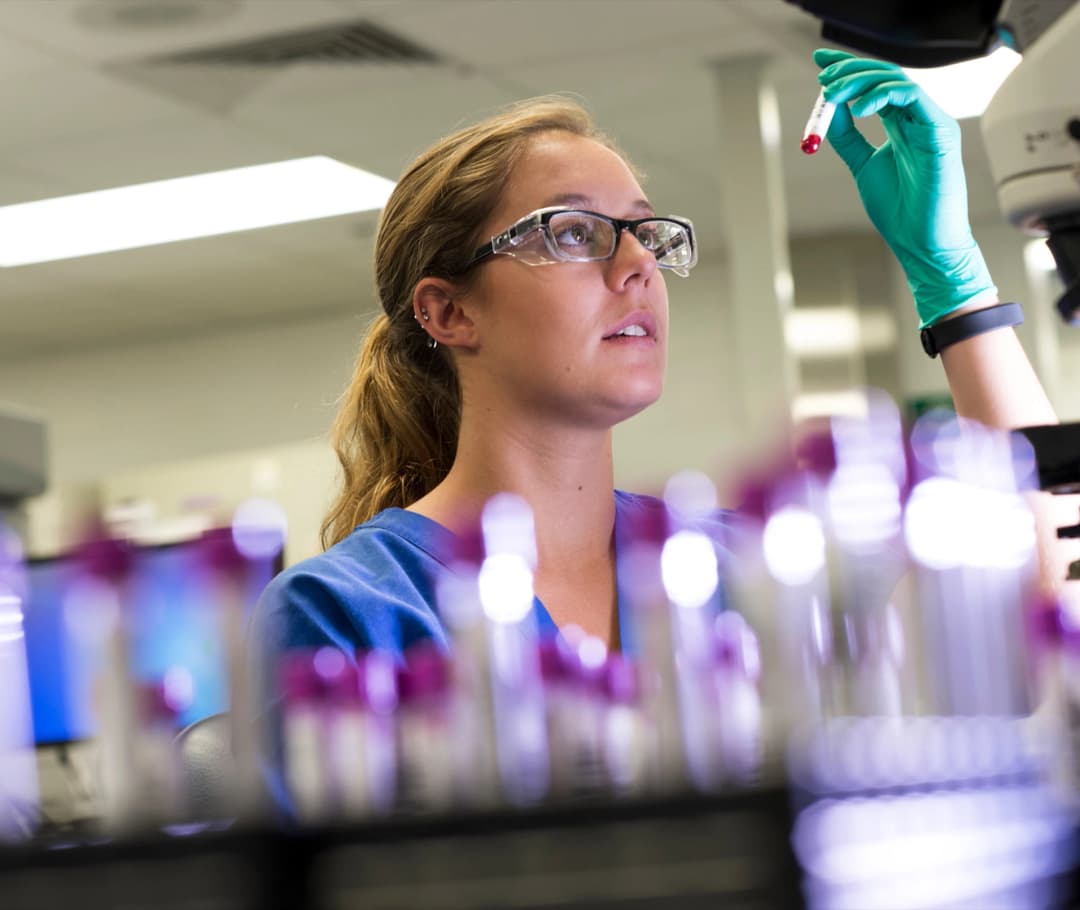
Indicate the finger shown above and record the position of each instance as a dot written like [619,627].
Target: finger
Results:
[889,98]
[852,147]
[852,88]
[824,56]
[885,94]
[857,78]
[852,66]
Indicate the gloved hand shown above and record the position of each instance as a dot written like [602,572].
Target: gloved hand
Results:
[912,186]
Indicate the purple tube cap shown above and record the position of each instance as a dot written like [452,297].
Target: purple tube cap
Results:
[426,673]
[218,552]
[297,679]
[158,702]
[816,452]
[1050,627]
[621,680]
[649,523]
[110,558]
[467,547]
[556,661]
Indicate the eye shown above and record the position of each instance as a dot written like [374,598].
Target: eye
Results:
[649,237]
[573,234]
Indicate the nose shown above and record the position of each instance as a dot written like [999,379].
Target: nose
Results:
[631,262]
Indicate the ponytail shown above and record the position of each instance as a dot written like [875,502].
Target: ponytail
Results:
[396,432]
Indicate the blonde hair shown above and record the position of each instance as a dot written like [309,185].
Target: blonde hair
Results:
[396,432]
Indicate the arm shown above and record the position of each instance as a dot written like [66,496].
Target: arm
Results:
[992,381]
[914,190]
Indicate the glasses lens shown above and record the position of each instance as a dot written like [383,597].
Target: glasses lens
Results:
[581,237]
[669,241]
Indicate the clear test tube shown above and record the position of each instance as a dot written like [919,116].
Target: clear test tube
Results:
[107,566]
[793,544]
[625,731]
[376,678]
[573,669]
[817,124]
[360,752]
[228,574]
[690,573]
[474,753]
[557,671]
[505,584]
[425,731]
[863,510]
[736,671]
[640,576]
[19,801]
[158,769]
[971,536]
[307,774]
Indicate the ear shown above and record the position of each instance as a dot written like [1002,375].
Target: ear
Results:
[438,306]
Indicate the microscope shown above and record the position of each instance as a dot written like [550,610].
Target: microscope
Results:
[1031,130]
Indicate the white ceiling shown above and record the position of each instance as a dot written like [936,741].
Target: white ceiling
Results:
[84,108]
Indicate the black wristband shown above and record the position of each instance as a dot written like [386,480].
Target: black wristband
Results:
[937,337]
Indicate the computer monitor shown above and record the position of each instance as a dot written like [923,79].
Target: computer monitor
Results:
[175,624]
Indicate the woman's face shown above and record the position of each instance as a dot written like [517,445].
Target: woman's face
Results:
[546,333]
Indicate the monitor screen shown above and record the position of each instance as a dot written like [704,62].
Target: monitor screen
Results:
[175,625]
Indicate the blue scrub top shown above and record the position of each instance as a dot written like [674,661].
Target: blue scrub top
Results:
[376,588]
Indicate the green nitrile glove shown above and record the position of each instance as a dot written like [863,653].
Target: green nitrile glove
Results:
[912,186]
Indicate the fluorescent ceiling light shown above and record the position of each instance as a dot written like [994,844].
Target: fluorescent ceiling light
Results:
[964,89]
[186,207]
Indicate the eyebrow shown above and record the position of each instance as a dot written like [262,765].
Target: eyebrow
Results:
[579,201]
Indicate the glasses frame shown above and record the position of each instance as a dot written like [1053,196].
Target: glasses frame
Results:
[541,220]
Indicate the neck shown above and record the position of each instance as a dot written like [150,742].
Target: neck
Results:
[566,476]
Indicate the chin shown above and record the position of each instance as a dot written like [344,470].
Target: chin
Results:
[637,401]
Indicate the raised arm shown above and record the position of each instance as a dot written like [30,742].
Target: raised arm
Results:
[914,191]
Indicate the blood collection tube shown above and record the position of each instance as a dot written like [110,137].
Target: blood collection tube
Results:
[473,748]
[158,770]
[817,125]
[640,574]
[736,670]
[302,737]
[228,571]
[425,731]
[355,730]
[108,565]
[18,780]
[505,584]
[625,731]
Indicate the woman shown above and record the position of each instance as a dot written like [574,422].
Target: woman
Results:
[517,332]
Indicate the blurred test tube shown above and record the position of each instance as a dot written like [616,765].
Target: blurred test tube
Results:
[474,754]
[18,769]
[98,607]
[505,584]
[972,537]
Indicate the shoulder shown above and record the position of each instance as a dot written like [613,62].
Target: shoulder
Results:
[373,589]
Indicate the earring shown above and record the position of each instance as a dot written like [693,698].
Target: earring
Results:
[432,343]
[424,313]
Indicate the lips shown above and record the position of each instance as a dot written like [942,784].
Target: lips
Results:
[635,323]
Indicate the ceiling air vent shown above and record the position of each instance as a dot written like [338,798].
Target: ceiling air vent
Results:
[354,42]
